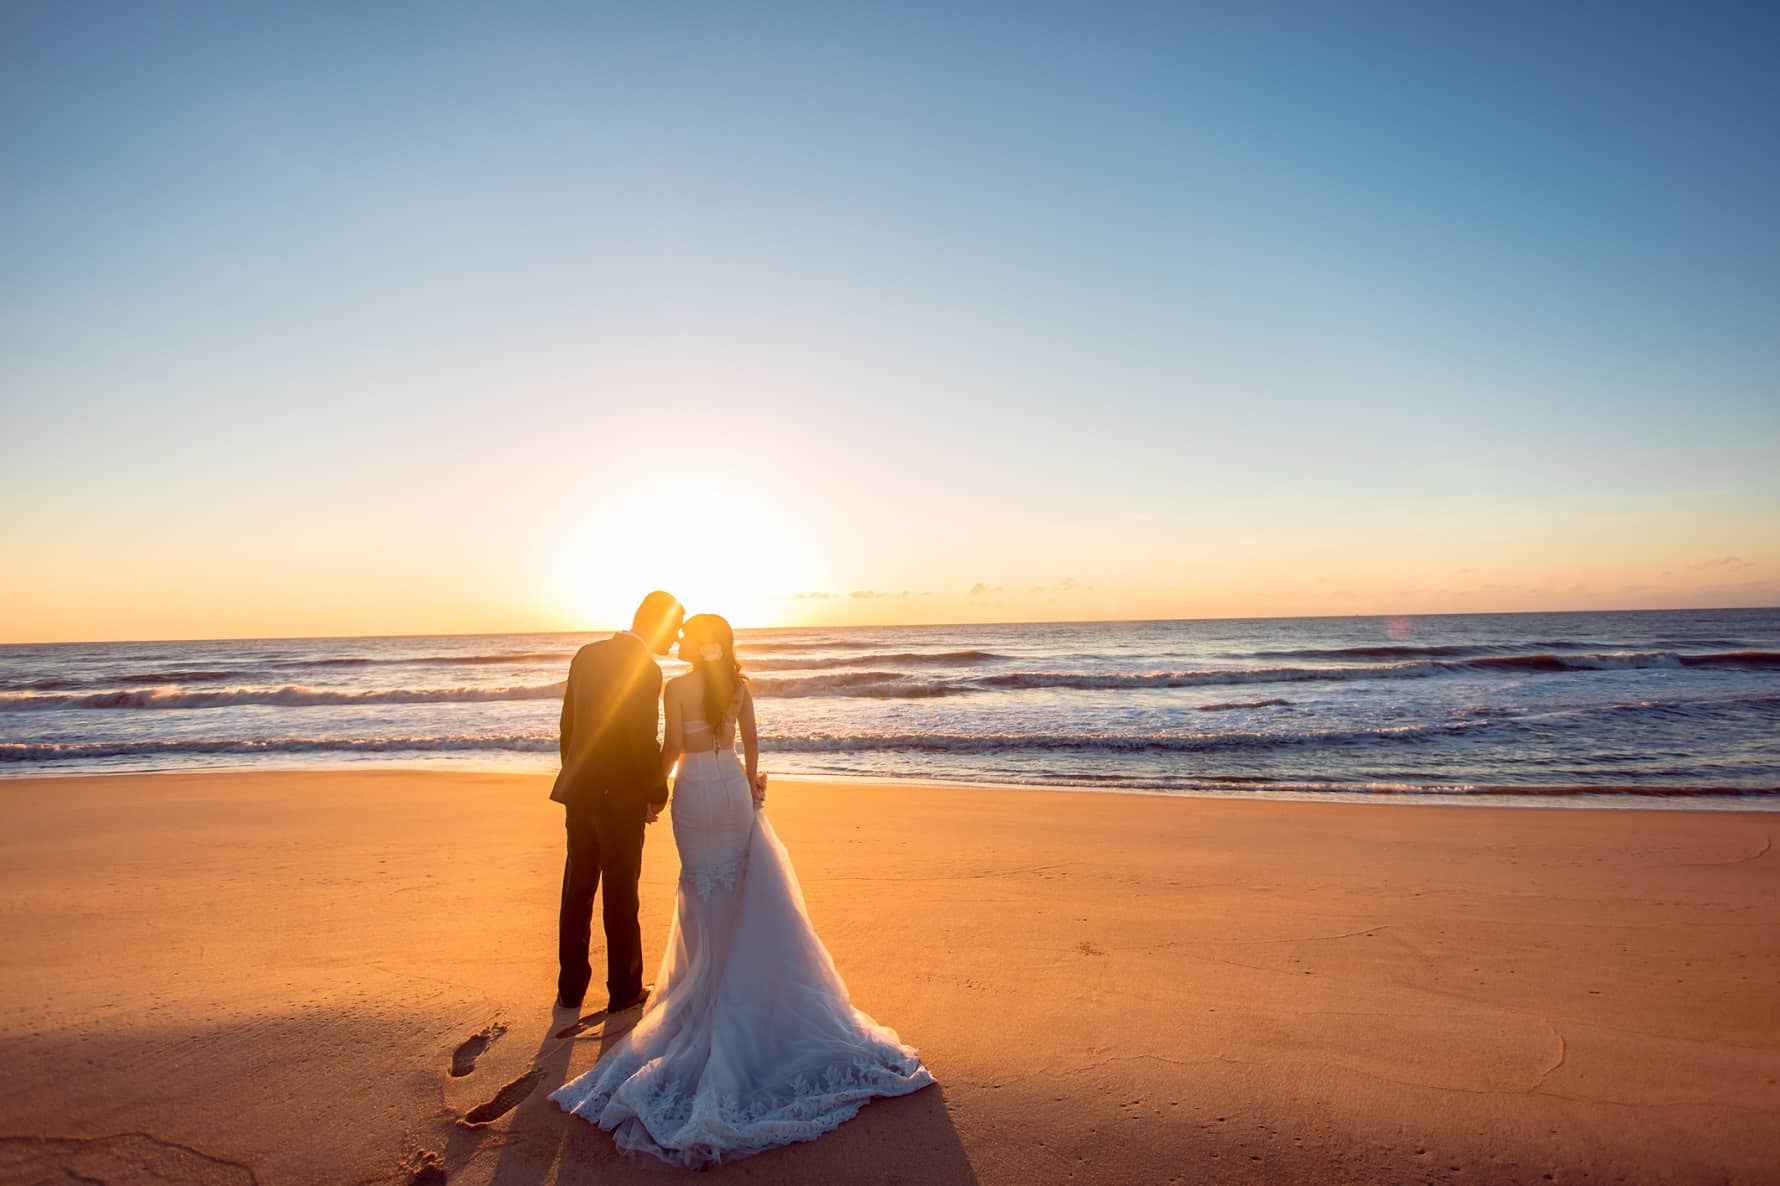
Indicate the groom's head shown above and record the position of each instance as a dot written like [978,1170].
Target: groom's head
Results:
[657,621]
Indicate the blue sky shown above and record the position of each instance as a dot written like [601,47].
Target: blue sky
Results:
[328,318]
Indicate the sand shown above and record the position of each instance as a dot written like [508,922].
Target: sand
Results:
[272,978]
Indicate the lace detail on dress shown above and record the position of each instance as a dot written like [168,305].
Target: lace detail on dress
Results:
[654,1113]
[709,878]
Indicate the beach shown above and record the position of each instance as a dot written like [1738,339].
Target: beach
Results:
[271,977]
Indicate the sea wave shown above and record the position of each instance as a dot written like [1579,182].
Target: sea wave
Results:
[899,685]
[1694,705]
[1748,660]
[1371,652]
[936,742]
[1630,660]
[1577,644]
[248,669]
[427,660]
[812,743]
[877,685]
[82,751]
[290,696]
[746,646]
[1168,741]
[900,658]
[21,756]
[157,678]
[1468,650]
[45,684]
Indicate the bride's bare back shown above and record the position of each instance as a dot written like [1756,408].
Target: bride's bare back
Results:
[687,731]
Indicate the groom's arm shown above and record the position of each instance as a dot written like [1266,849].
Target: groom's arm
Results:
[568,712]
[649,771]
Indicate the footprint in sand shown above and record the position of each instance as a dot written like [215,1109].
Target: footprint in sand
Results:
[463,1059]
[504,1101]
[424,1168]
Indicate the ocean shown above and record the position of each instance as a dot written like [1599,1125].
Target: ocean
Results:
[1634,707]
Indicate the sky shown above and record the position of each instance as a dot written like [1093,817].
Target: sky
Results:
[393,318]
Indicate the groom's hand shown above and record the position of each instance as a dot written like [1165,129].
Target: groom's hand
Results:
[652,813]
[760,788]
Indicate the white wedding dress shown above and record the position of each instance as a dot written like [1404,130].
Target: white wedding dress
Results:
[750,1040]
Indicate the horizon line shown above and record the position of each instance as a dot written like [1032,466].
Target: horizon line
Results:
[913,625]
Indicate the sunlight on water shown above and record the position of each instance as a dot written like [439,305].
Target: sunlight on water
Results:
[1659,702]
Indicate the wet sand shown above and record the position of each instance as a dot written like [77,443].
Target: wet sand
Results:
[272,978]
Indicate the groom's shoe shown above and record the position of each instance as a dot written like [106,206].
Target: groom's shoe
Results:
[634,1002]
[563,1002]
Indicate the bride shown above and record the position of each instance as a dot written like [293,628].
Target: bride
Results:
[750,1041]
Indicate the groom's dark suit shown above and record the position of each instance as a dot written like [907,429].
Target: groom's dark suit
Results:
[611,776]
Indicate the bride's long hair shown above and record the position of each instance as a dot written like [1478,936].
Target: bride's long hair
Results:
[707,642]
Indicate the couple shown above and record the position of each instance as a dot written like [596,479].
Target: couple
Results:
[750,1040]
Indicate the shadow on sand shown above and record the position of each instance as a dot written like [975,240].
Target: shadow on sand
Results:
[909,1139]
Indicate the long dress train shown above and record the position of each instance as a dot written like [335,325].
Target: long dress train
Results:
[750,1041]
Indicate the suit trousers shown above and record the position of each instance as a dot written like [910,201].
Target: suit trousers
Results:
[605,844]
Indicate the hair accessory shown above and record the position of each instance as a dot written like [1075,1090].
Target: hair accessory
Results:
[711,652]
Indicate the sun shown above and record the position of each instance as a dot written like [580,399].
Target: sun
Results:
[726,550]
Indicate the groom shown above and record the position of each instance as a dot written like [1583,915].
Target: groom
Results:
[612,784]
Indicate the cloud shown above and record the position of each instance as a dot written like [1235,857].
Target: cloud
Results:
[808,596]
[1720,562]
[978,589]
[875,595]
[1066,585]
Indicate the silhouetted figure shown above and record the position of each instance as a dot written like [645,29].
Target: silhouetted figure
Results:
[750,1041]
[612,785]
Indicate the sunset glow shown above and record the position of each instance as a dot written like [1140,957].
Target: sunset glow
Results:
[495,329]
[713,545]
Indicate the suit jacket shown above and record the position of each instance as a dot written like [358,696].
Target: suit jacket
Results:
[610,753]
